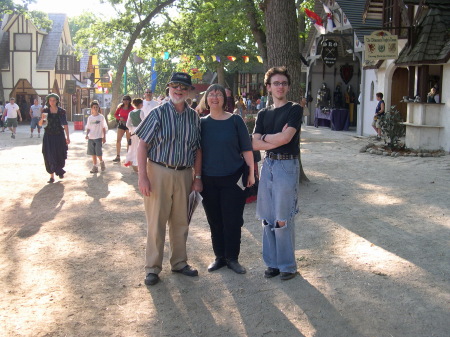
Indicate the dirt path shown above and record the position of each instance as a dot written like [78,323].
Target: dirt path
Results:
[372,236]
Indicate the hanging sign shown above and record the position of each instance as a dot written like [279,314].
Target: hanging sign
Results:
[381,45]
[329,52]
[70,87]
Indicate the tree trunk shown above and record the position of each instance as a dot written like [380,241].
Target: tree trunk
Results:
[220,74]
[257,29]
[283,46]
[126,53]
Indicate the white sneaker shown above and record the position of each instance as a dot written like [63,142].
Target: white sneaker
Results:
[102,165]
[94,169]
[13,136]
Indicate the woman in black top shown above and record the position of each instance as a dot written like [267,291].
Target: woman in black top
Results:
[56,137]
[226,147]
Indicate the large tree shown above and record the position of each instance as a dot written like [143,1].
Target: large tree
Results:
[281,39]
[138,15]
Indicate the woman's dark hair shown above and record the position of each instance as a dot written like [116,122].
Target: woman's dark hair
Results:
[125,97]
[276,71]
[216,87]
[50,96]
[379,94]
[94,102]
[137,101]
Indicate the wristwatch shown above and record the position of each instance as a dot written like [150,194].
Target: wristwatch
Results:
[198,177]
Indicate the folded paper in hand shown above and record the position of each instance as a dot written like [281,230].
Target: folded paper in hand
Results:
[194,199]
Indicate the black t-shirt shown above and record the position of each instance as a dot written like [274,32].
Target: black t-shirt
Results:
[271,121]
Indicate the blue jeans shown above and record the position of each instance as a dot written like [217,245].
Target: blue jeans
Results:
[277,201]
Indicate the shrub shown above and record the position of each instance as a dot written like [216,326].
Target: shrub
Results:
[250,122]
[392,127]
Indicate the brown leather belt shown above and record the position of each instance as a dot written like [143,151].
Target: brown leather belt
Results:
[176,168]
[281,156]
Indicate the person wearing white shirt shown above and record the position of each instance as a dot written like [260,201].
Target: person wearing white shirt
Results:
[35,114]
[12,111]
[149,104]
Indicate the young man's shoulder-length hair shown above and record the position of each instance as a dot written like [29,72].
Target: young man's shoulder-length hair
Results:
[276,71]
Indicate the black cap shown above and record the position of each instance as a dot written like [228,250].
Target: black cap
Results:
[182,78]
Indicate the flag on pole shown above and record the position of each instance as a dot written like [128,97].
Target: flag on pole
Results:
[316,21]
[203,58]
[330,23]
[259,59]
[214,57]
[217,58]
[198,57]
[246,59]
[231,58]
[166,55]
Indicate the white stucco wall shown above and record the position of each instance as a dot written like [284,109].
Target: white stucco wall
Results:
[444,138]
[368,108]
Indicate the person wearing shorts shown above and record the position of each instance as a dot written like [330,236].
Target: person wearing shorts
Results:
[12,111]
[121,116]
[96,135]
[379,111]
[35,114]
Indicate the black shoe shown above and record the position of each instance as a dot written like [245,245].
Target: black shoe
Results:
[217,264]
[61,176]
[271,272]
[51,181]
[117,159]
[187,270]
[151,279]
[287,276]
[235,266]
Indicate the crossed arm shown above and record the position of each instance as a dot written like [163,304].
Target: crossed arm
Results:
[272,141]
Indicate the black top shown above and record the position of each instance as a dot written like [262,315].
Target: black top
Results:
[223,142]
[271,121]
[55,121]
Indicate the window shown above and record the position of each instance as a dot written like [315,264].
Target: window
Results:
[22,42]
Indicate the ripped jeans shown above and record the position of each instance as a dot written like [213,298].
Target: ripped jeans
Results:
[277,201]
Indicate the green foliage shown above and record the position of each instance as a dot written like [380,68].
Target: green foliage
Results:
[14,6]
[40,20]
[392,128]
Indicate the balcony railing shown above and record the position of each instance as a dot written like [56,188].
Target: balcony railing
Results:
[67,64]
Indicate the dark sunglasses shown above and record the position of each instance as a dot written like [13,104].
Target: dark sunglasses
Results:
[178,85]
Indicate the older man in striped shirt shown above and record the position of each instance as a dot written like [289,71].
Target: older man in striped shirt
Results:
[169,162]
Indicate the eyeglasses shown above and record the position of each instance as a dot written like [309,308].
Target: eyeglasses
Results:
[215,96]
[278,84]
[179,85]
[148,92]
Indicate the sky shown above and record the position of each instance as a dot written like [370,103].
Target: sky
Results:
[73,7]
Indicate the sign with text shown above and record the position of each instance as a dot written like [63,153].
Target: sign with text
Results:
[70,87]
[329,52]
[106,84]
[381,45]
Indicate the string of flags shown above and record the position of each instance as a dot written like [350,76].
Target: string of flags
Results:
[216,58]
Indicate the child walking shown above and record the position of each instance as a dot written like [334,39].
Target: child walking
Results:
[96,134]
[133,121]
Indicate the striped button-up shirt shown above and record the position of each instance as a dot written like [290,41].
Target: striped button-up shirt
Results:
[173,137]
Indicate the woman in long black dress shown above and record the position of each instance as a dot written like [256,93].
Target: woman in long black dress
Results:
[56,137]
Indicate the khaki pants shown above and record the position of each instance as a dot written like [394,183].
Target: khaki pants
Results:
[167,204]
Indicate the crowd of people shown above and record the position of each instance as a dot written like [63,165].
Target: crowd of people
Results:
[177,150]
